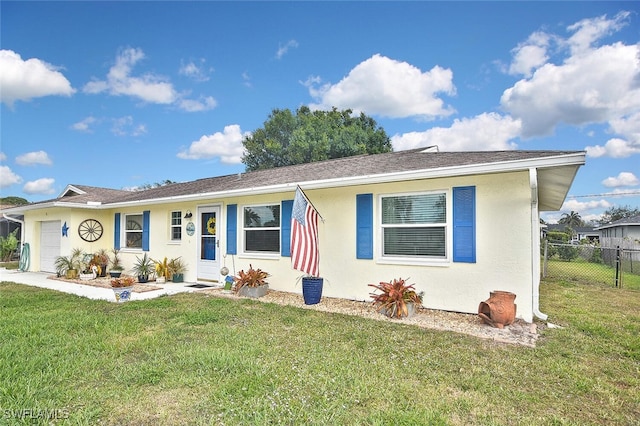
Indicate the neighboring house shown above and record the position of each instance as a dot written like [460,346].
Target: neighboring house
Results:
[426,216]
[578,234]
[624,232]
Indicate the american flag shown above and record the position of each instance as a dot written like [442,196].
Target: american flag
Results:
[304,236]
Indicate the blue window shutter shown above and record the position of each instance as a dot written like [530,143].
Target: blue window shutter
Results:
[116,231]
[364,226]
[464,224]
[285,228]
[145,230]
[232,229]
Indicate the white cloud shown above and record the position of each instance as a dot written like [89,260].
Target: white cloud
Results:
[197,72]
[283,50]
[593,85]
[8,178]
[615,148]
[488,131]
[33,158]
[84,125]
[226,144]
[530,55]
[246,79]
[580,206]
[3,156]
[24,80]
[125,126]
[588,31]
[623,179]
[39,186]
[192,105]
[386,87]
[148,87]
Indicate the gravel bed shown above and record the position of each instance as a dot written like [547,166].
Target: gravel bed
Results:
[518,333]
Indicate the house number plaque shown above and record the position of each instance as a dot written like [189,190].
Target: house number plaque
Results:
[191,228]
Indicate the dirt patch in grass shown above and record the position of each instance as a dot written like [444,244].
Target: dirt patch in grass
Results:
[518,333]
[105,282]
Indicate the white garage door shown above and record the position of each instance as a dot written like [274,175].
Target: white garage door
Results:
[50,235]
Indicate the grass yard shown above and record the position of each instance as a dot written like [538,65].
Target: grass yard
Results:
[587,272]
[192,359]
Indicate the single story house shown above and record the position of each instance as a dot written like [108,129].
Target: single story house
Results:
[623,232]
[417,214]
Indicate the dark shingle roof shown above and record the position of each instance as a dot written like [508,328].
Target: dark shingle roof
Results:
[349,167]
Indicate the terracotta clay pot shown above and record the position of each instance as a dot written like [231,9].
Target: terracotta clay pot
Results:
[498,310]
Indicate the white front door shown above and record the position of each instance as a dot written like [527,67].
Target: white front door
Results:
[208,243]
[50,236]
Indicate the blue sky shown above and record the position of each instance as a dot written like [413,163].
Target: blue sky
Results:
[123,94]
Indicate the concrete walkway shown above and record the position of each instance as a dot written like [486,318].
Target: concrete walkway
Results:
[39,279]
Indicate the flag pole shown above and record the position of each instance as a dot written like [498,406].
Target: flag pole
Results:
[309,201]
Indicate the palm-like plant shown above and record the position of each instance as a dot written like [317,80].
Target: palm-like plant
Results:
[395,297]
[251,278]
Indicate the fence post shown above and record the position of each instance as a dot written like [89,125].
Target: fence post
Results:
[544,263]
[617,266]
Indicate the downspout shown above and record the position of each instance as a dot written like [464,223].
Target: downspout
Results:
[535,240]
[12,219]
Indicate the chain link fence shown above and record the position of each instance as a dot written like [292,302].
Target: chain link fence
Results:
[591,263]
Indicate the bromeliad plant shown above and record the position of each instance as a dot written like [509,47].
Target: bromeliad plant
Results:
[123,281]
[251,278]
[395,297]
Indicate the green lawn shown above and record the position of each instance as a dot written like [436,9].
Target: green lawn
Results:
[596,273]
[192,359]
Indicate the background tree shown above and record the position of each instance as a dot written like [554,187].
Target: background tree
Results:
[13,201]
[307,136]
[572,220]
[618,212]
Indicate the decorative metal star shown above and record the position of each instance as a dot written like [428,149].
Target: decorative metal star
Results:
[65,230]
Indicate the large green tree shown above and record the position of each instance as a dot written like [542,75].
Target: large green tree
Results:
[618,212]
[307,136]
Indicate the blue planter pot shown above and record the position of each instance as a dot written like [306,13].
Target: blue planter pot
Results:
[312,290]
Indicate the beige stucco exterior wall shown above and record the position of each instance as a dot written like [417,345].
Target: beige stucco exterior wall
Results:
[503,242]
[73,217]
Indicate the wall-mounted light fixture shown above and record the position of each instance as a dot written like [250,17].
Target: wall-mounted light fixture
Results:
[188,215]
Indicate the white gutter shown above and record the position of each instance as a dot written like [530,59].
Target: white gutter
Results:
[13,219]
[535,240]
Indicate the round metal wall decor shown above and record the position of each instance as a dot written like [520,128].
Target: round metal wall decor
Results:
[90,230]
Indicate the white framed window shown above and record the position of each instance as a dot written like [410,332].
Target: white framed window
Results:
[261,228]
[133,231]
[414,226]
[176,226]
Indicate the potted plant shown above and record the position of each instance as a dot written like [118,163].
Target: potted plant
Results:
[116,264]
[177,268]
[122,287]
[397,300]
[101,259]
[143,268]
[163,273]
[251,283]
[69,265]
